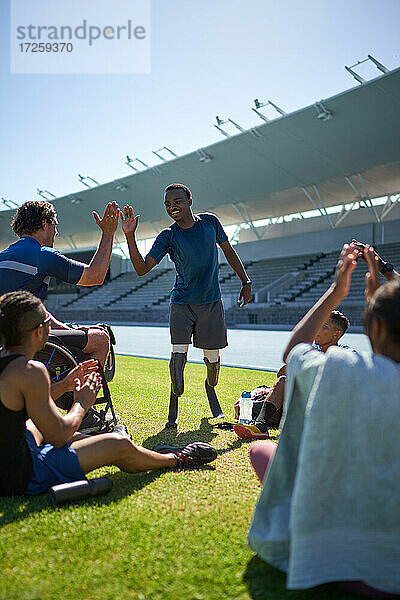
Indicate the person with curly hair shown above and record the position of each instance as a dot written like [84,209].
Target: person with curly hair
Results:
[28,264]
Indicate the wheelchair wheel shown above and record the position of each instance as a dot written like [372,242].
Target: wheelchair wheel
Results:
[58,361]
[109,367]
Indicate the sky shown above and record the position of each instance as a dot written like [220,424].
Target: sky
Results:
[209,58]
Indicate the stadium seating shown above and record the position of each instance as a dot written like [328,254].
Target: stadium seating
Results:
[145,299]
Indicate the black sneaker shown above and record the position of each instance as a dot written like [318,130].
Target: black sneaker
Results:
[167,449]
[90,422]
[171,425]
[192,455]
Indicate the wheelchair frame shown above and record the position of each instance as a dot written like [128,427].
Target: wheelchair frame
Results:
[59,360]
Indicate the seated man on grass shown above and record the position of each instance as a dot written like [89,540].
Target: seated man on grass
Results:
[329,508]
[271,411]
[37,445]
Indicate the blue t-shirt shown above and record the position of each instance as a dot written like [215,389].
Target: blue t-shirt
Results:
[195,255]
[26,265]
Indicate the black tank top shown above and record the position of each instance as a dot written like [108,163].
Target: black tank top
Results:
[15,458]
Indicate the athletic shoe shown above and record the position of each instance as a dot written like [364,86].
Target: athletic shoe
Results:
[166,448]
[250,432]
[90,422]
[171,425]
[122,430]
[192,455]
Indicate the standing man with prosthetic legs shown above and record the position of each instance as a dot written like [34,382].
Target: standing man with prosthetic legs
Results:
[196,309]
[206,325]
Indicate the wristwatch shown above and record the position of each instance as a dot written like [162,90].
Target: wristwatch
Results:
[386,267]
[248,282]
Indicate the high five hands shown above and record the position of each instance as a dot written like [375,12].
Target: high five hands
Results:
[128,220]
[109,223]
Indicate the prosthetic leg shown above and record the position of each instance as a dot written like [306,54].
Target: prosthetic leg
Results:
[213,367]
[176,368]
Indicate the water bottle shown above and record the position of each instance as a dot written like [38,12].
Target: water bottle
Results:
[245,408]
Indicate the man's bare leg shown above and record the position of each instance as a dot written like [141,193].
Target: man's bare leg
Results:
[98,344]
[272,403]
[111,449]
[277,393]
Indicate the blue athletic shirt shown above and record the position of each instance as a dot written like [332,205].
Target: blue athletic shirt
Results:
[195,255]
[26,265]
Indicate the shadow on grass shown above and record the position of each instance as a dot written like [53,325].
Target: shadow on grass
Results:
[125,484]
[205,433]
[264,582]
[17,508]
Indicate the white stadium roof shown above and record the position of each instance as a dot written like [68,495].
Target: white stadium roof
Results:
[345,149]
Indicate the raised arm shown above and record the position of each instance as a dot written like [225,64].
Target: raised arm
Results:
[385,268]
[129,226]
[237,265]
[56,429]
[307,328]
[94,273]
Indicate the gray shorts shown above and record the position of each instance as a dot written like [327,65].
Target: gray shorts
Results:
[205,322]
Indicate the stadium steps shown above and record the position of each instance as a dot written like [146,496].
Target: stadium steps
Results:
[143,298]
[315,273]
[229,281]
[159,273]
[150,302]
[90,291]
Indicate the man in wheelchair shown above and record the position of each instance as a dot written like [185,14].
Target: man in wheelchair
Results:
[29,263]
[38,445]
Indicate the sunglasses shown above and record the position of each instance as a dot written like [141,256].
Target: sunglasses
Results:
[46,320]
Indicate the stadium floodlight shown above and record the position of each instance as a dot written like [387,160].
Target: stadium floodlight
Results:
[370,58]
[83,180]
[322,112]
[131,161]
[7,202]
[160,156]
[223,122]
[259,105]
[204,157]
[45,194]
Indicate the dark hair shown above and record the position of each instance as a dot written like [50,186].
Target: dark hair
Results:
[340,320]
[30,215]
[178,186]
[385,305]
[20,312]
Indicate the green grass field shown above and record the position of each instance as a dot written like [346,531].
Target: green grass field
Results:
[164,535]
